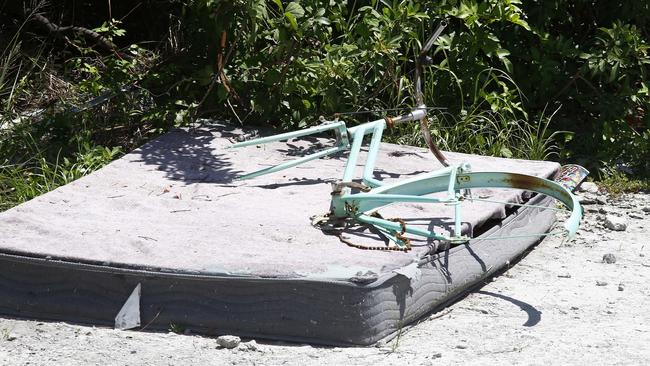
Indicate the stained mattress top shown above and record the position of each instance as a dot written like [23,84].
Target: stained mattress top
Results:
[173,205]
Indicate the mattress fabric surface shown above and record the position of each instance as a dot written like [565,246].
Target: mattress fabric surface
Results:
[173,205]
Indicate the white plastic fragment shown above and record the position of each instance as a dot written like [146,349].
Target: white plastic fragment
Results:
[412,271]
[129,315]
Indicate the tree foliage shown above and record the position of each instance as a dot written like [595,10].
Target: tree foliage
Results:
[499,69]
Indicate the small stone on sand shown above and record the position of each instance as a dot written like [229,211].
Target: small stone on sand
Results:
[228,341]
[249,346]
[586,199]
[609,258]
[590,187]
[615,223]
[636,215]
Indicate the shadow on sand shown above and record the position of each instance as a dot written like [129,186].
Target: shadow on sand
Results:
[534,315]
[190,156]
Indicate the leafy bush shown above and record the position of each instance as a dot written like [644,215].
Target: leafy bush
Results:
[114,76]
[292,61]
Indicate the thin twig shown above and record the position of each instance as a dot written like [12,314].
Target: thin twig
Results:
[147,238]
[151,321]
[441,314]
[233,112]
[285,67]
[220,75]
[131,11]
[572,80]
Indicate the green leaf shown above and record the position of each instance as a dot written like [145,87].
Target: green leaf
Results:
[279,4]
[295,9]
[507,64]
[568,136]
[292,20]
[515,18]
[260,9]
[505,152]
[501,52]
[613,72]
[466,11]
[322,20]
[481,140]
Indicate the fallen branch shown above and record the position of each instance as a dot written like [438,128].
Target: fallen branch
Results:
[221,64]
[220,76]
[89,34]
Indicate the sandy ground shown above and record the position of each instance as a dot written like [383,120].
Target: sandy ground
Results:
[561,304]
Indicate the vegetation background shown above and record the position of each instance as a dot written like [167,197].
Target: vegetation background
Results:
[83,81]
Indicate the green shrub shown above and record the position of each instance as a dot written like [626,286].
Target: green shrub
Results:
[498,69]
[22,182]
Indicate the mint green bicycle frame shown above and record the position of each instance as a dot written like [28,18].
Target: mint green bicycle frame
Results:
[454,180]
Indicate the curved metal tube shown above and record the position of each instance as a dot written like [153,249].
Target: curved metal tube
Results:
[434,182]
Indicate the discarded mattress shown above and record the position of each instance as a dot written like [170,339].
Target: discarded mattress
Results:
[217,255]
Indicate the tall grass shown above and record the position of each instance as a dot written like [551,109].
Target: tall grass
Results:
[538,142]
[488,133]
[16,68]
[39,151]
[24,181]
[494,124]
